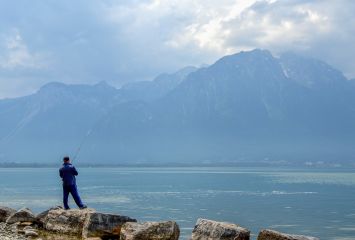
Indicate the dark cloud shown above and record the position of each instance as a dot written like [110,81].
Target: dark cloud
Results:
[120,41]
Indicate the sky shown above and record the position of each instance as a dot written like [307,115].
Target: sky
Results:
[88,41]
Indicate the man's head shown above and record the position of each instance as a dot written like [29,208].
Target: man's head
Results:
[66,159]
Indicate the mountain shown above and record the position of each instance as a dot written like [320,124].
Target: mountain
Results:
[55,116]
[152,90]
[56,119]
[249,106]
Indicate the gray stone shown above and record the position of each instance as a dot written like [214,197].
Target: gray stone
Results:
[7,234]
[22,215]
[5,212]
[41,216]
[150,231]
[104,225]
[31,233]
[28,228]
[268,234]
[211,230]
[66,221]
[24,224]
[14,228]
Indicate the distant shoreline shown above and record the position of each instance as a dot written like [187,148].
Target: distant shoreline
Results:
[340,166]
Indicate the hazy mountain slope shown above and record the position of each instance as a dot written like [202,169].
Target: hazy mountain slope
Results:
[246,106]
[53,119]
[328,103]
[152,90]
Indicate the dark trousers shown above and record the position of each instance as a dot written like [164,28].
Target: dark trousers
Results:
[72,189]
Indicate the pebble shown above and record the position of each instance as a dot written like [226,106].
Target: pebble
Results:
[31,233]
[6,233]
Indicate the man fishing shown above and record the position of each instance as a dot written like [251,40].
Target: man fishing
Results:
[68,173]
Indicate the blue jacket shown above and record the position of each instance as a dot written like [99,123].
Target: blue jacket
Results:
[68,173]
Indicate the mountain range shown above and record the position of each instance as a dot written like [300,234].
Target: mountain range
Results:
[246,107]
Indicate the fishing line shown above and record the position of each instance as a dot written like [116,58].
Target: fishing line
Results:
[95,125]
[81,144]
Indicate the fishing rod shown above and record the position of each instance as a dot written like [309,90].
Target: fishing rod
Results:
[81,144]
[94,126]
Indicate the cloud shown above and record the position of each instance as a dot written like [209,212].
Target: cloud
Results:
[322,29]
[206,30]
[280,25]
[15,53]
[20,68]
[120,41]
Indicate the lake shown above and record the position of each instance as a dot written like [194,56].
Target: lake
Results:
[320,203]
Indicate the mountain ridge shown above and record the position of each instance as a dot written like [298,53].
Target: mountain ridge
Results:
[249,105]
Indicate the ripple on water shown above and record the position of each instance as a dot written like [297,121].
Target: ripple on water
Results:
[347,179]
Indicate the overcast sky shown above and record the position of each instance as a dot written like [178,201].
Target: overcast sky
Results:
[87,41]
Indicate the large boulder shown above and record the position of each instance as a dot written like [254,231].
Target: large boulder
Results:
[5,213]
[211,230]
[168,230]
[104,225]
[66,221]
[86,223]
[268,234]
[22,215]
[41,216]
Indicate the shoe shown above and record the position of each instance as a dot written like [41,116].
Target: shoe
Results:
[83,207]
[66,208]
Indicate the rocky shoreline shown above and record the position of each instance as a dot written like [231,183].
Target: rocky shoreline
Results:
[59,224]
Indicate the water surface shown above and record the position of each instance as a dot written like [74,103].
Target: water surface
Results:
[319,203]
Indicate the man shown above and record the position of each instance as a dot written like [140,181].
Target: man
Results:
[68,173]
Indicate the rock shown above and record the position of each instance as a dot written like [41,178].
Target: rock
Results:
[41,216]
[28,228]
[5,212]
[212,230]
[150,231]
[7,234]
[268,234]
[31,233]
[84,223]
[14,228]
[66,221]
[104,225]
[24,224]
[22,215]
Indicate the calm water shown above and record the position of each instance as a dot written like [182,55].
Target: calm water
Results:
[318,203]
